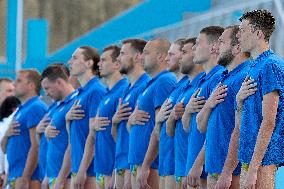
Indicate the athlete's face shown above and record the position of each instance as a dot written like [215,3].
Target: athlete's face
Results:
[150,57]
[52,88]
[106,65]
[6,89]
[187,64]
[201,49]
[78,65]
[247,36]
[22,85]
[125,58]
[225,48]
[173,57]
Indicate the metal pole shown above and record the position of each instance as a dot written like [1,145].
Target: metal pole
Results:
[19,35]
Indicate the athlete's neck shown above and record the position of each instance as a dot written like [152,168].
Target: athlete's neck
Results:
[68,89]
[113,79]
[239,59]
[195,71]
[85,77]
[259,49]
[210,64]
[161,67]
[178,74]
[134,74]
[27,97]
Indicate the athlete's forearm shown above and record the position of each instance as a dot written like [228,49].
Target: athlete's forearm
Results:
[4,142]
[114,131]
[232,156]
[88,152]
[66,165]
[152,151]
[269,111]
[171,124]
[186,118]
[203,117]
[199,161]
[32,161]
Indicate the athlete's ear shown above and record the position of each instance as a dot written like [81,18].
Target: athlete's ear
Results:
[90,63]
[137,57]
[236,49]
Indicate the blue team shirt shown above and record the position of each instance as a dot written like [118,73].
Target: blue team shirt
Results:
[156,92]
[166,143]
[57,146]
[89,97]
[195,138]
[43,145]
[122,141]
[221,122]
[181,137]
[268,71]
[105,144]
[28,115]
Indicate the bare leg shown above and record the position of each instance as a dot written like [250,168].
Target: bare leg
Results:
[153,179]
[119,181]
[170,182]
[235,182]
[162,183]
[35,184]
[90,182]
[266,177]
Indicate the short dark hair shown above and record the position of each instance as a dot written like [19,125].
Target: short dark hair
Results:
[63,66]
[91,53]
[261,20]
[54,72]
[180,42]
[137,44]
[235,30]
[190,40]
[34,77]
[115,51]
[212,33]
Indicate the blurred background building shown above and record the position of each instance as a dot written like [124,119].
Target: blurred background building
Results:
[35,33]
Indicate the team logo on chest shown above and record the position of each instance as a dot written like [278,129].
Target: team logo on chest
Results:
[127,97]
[143,94]
[107,101]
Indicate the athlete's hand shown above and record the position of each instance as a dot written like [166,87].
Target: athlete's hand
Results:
[138,117]
[164,112]
[178,110]
[217,96]
[22,183]
[59,184]
[248,88]
[195,103]
[13,129]
[127,180]
[75,113]
[40,128]
[44,184]
[184,183]
[142,178]
[224,181]
[193,178]
[250,182]
[122,113]
[80,180]
[99,123]
[51,132]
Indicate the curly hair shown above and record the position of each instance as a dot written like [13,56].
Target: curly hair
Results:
[261,20]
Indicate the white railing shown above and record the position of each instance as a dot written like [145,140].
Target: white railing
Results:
[224,16]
